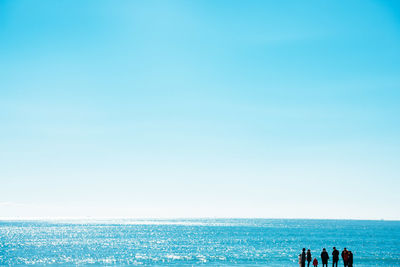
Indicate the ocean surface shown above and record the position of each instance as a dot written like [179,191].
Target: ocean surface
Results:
[207,242]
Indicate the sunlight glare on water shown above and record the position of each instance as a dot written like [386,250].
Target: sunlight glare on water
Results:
[192,242]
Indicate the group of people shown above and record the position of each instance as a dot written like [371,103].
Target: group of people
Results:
[347,257]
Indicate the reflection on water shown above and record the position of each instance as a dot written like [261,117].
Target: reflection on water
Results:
[193,242]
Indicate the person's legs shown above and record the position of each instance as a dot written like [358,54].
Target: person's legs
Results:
[308,264]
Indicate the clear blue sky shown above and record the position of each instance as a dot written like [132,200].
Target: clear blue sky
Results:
[284,109]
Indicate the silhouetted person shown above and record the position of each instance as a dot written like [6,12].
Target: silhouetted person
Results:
[303,258]
[345,257]
[350,262]
[309,258]
[335,257]
[315,262]
[324,258]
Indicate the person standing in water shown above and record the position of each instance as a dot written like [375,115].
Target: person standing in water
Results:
[335,257]
[309,258]
[350,262]
[315,262]
[345,257]
[324,258]
[303,258]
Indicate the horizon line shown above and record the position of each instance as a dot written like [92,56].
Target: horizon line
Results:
[93,218]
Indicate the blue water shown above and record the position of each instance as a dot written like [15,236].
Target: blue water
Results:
[246,242]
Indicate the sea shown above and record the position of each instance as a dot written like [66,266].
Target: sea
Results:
[194,242]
